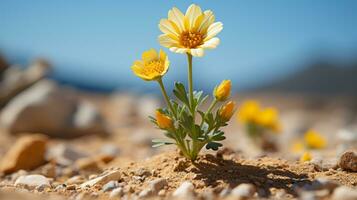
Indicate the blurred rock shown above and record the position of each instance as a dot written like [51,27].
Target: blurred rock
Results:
[344,193]
[116,193]
[348,161]
[348,140]
[27,153]
[15,79]
[110,186]
[54,111]
[244,190]
[32,181]
[64,154]
[185,190]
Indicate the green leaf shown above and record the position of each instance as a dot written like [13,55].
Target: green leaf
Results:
[159,142]
[180,93]
[218,136]
[213,145]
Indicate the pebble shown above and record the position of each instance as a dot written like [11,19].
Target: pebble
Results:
[184,190]
[75,180]
[102,179]
[157,184]
[110,186]
[32,181]
[110,149]
[64,155]
[244,190]
[344,193]
[27,153]
[348,161]
[116,193]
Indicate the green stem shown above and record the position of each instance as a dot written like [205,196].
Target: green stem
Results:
[165,95]
[214,102]
[190,82]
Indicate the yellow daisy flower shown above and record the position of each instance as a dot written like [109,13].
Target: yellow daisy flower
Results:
[248,111]
[314,140]
[191,32]
[152,66]
[268,117]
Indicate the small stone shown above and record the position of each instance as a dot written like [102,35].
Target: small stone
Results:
[244,190]
[27,153]
[75,180]
[184,190]
[344,193]
[110,186]
[225,192]
[64,155]
[71,187]
[110,149]
[157,184]
[89,164]
[102,179]
[147,192]
[348,161]
[161,193]
[116,193]
[32,181]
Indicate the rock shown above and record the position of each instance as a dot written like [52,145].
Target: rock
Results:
[186,189]
[32,181]
[27,153]
[54,111]
[244,190]
[344,193]
[64,155]
[89,164]
[157,184]
[110,186]
[16,79]
[116,193]
[109,149]
[75,180]
[348,161]
[323,164]
[103,179]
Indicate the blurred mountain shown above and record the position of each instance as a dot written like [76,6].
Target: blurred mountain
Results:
[319,77]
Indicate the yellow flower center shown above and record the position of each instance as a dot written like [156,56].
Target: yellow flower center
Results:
[191,39]
[153,67]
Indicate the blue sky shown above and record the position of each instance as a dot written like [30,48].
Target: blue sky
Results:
[95,42]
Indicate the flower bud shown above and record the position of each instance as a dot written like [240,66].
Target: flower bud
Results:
[223,90]
[305,157]
[314,140]
[163,121]
[227,111]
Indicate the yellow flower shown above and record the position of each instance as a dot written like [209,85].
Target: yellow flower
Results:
[269,119]
[223,90]
[152,66]
[314,140]
[248,111]
[227,110]
[305,157]
[190,33]
[163,121]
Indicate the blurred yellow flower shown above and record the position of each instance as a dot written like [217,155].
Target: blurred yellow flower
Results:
[163,121]
[314,140]
[227,110]
[223,90]
[190,33]
[248,111]
[305,157]
[268,117]
[152,66]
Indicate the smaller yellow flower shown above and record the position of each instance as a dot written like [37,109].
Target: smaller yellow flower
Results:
[163,121]
[223,90]
[314,140]
[305,157]
[152,66]
[227,110]
[248,111]
[269,118]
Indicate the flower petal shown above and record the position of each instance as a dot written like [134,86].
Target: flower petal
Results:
[213,30]
[176,16]
[167,41]
[192,13]
[211,44]
[149,55]
[166,26]
[197,52]
[179,50]
[206,22]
